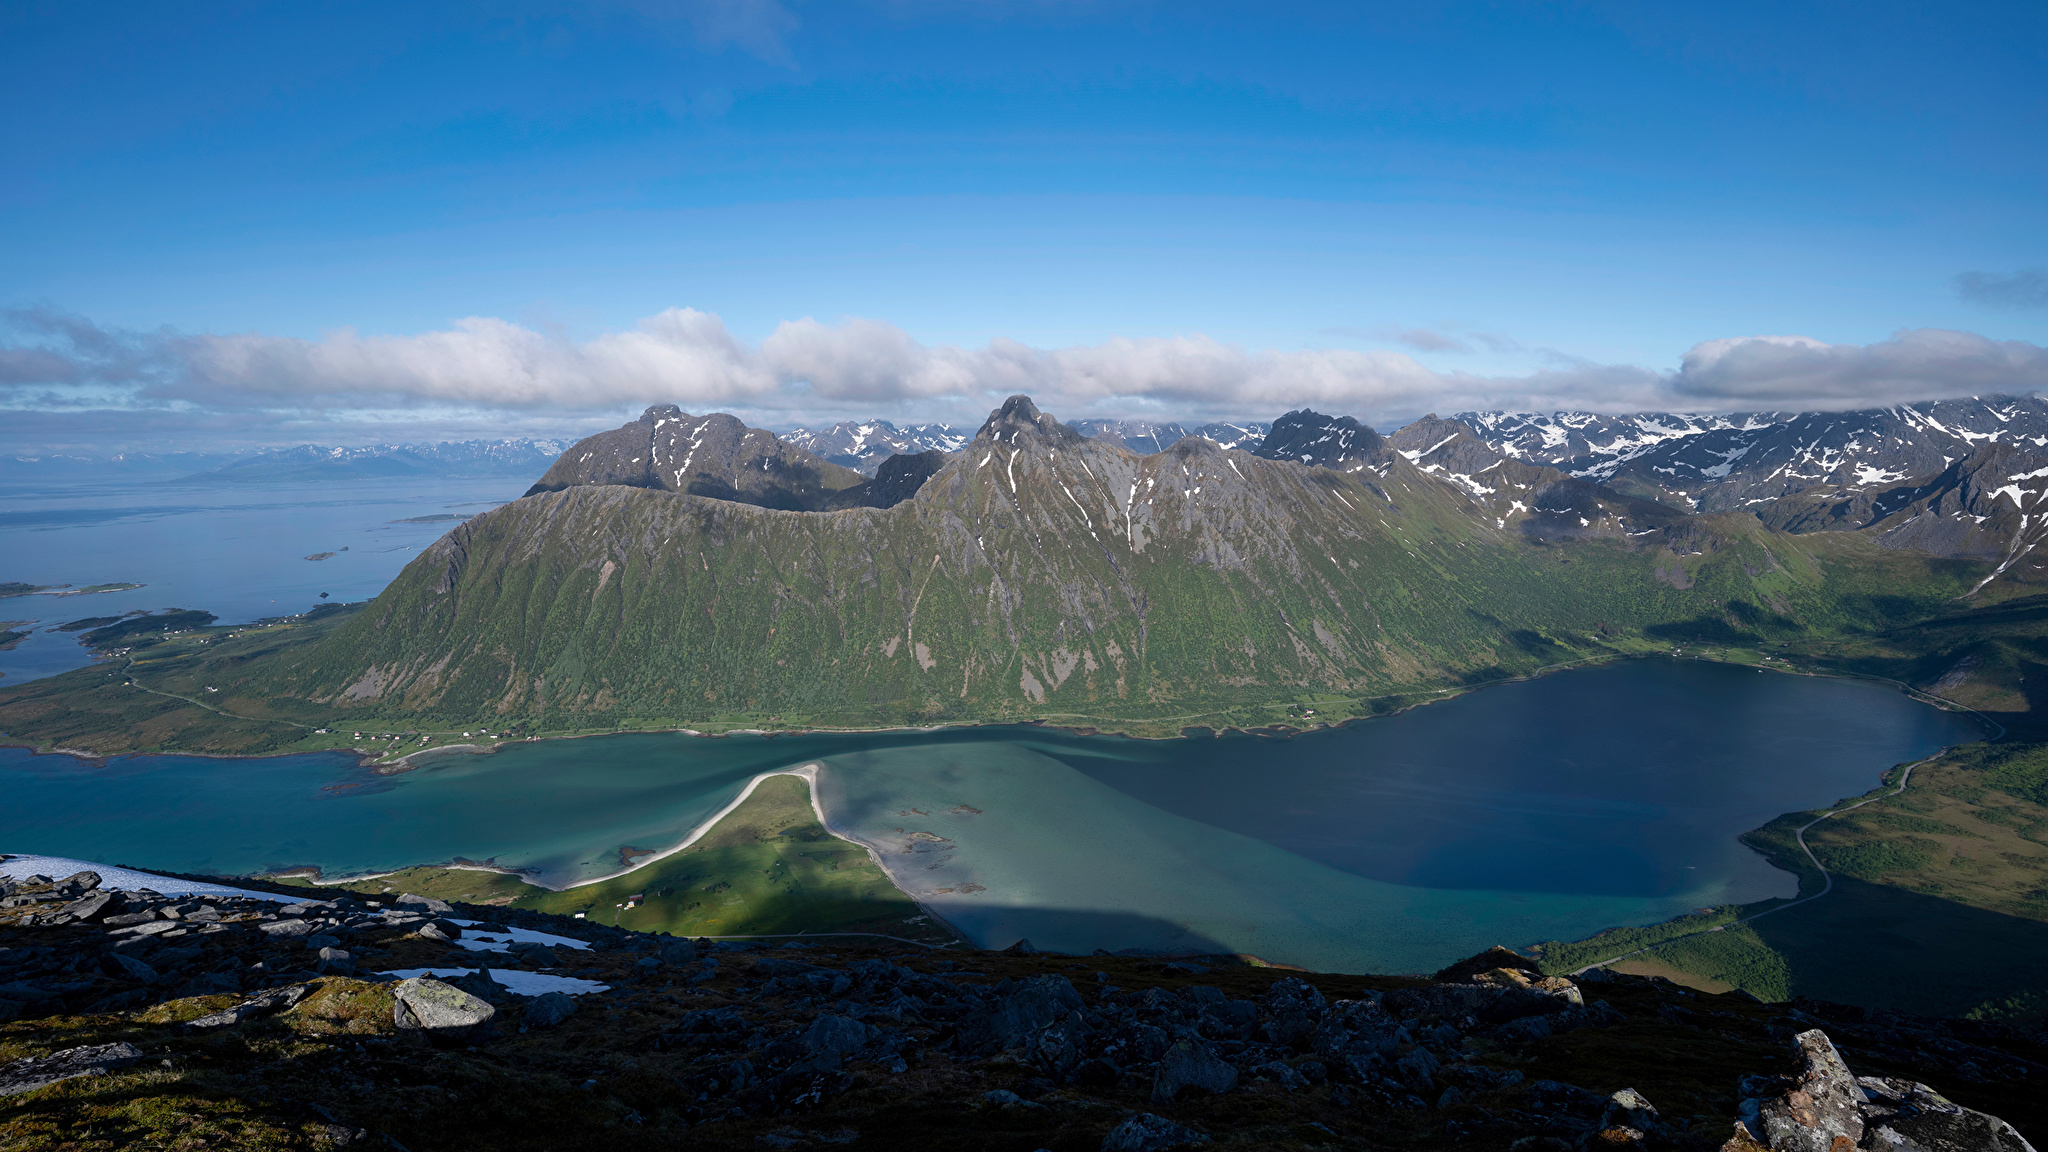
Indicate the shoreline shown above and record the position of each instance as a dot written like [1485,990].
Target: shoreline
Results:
[405,763]
[810,772]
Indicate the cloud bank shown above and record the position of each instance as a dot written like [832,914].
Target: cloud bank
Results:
[483,371]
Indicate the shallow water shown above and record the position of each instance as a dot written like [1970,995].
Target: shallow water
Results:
[1545,809]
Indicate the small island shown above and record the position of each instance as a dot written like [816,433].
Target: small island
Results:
[18,588]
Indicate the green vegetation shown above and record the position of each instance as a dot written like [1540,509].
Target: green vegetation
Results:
[767,868]
[17,588]
[439,882]
[1733,957]
[1558,958]
[1348,598]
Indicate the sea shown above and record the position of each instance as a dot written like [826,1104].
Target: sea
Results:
[1537,810]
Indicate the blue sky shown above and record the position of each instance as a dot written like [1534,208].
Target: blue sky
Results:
[329,221]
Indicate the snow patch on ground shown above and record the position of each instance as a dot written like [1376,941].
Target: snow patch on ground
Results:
[500,941]
[523,983]
[127,879]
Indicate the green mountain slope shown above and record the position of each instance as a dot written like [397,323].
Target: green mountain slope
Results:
[1043,575]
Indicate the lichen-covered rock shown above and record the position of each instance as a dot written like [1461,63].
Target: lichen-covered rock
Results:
[40,1071]
[1820,1112]
[1907,1116]
[440,1010]
[1827,1109]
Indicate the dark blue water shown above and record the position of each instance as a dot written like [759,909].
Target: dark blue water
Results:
[1545,809]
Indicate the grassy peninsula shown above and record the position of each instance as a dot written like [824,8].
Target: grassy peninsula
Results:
[766,868]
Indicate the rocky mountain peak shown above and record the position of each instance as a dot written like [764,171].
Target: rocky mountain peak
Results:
[716,456]
[1335,442]
[1020,422]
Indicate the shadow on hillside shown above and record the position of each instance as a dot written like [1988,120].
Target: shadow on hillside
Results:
[1875,946]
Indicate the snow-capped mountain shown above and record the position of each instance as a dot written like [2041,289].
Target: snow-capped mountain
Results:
[1593,446]
[1716,463]
[1146,436]
[862,445]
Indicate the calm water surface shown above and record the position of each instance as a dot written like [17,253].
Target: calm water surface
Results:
[1546,809]
[238,551]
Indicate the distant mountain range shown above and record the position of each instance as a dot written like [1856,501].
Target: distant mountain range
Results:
[862,445]
[1715,463]
[306,462]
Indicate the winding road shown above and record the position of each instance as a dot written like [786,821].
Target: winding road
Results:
[1799,835]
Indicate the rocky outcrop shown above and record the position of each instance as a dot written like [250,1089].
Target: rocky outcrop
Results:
[1827,1108]
[89,1060]
[736,1045]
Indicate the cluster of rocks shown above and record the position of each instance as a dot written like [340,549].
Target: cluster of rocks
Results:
[1405,1048]
[98,950]
[746,1045]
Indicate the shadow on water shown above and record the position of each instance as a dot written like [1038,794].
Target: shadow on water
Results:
[1879,946]
[1083,933]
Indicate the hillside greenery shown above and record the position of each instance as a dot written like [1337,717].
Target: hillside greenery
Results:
[767,868]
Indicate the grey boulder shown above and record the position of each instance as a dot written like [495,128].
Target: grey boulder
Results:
[1905,1114]
[550,1009]
[128,968]
[290,929]
[1148,1133]
[836,1037]
[94,906]
[1825,1108]
[1187,1066]
[422,904]
[440,1010]
[533,953]
[274,1000]
[40,1071]
[335,961]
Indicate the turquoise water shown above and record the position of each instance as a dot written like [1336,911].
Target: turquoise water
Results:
[1546,809]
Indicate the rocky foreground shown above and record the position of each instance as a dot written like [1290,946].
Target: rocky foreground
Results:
[138,1020]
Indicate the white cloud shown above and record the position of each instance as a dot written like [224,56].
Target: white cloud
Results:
[1801,372]
[806,371]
